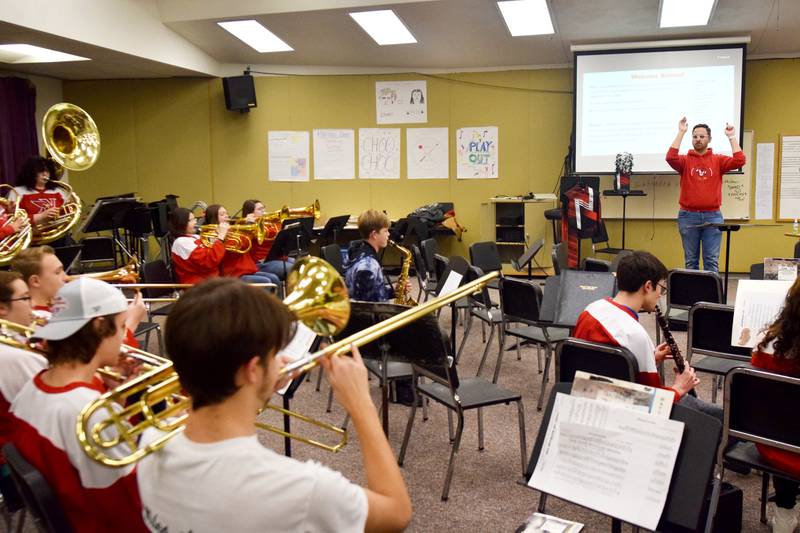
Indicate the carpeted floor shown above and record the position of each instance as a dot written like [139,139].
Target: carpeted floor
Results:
[485,495]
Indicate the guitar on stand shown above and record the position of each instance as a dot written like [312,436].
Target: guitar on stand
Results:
[677,356]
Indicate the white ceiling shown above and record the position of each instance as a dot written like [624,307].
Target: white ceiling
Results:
[161,38]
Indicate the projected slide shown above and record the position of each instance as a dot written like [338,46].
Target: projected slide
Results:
[632,102]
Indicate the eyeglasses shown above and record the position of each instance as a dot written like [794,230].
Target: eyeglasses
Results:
[663,289]
[20,299]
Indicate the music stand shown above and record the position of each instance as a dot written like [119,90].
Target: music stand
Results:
[526,258]
[332,228]
[287,397]
[286,242]
[624,194]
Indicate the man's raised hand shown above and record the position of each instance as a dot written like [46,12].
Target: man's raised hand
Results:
[683,125]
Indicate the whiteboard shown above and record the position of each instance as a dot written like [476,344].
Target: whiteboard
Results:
[663,192]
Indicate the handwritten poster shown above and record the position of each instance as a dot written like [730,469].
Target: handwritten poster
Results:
[334,154]
[288,153]
[379,153]
[426,153]
[765,174]
[789,192]
[477,152]
[401,102]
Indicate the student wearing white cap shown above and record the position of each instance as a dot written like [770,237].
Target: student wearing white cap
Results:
[85,333]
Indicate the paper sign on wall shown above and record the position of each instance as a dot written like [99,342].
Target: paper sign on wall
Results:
[426,153]
[334,154]
[288,155]
[379,153]
[477,152]
[401,102]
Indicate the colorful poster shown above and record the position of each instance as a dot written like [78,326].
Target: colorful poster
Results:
[334,154]
[288,153]
[379,153]
[427,154]
[477,152]
[401,102]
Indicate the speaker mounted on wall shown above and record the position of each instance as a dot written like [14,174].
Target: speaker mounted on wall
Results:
[240,93]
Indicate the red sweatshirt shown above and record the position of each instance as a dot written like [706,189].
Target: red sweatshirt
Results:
[236,265]
[35,201]
[194,262]
[701,177]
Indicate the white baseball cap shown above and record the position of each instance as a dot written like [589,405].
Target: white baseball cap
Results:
[77,303]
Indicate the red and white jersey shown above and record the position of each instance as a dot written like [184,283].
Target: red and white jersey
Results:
[94,497]
[193,262]
[237,265]
[17,367]
[35,201]
[607,322]
[238,485]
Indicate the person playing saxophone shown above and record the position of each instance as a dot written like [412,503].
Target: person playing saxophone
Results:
[363,272]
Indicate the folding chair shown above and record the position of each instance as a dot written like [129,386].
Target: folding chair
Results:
[39,497]
[601,237]
[457,395]
[757,271]
[332,253]
[157,272]
[709,336]
[481,307]
[761,409]
[591,264]
[610,361]
[684,289]
[426,284]
[429,249]
[558,254]
[485,256]
[520,303]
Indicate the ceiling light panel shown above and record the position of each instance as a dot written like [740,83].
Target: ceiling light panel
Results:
[384,27]
[27,53]
[259,38]
[526,17]
[682,13]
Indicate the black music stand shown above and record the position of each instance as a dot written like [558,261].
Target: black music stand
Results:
[286,242]
[111,214]
[407,344]
[686,507]
[333,226]
[727,228]
[624,194]
[287,398]
[526,258]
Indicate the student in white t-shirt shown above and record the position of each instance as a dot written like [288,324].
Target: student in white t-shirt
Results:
[223,336]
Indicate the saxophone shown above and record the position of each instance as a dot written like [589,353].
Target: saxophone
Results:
[401,296]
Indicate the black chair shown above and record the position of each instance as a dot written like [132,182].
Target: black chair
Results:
[760,408]
[520,303]
[617,258]
[457,395]
[684,289]
[485,256]
[610,361]
[39,497]
[426,284]
[157,272]
[332,253]
[709,336]
[601,237]
[429,249]
[480,306]
[554,215]
[559,256]
[797,249]
[757,271]
[592,264]
[686,507]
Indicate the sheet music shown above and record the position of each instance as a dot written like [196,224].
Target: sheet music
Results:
[452,282]
[758,303]
[298,346]
[613,460]
[624,394]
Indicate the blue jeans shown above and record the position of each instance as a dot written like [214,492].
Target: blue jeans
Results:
[276,268]
[693,237]
[260,277]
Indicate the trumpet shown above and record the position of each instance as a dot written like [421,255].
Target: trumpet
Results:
[239,238]
[126,275]
[267,226]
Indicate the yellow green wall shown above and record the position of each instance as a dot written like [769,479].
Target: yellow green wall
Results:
[175,136]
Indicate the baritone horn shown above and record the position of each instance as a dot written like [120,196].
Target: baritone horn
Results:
[162,384]
[13,244]
[73,141]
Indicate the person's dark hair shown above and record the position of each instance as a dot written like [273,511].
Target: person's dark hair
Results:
[249,206]
[216,328]
[636,269]
[708,130]
[81,346]
[212,214]
[785,331]
[29,261]
[31,167]
[6,279]
[178,220]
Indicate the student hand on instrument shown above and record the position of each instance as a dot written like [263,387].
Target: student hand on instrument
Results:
[16,224]
[683,125]
[685,381]
[250,218]
[284,379]
[662,352]
[730,131]
[222,230]
[137,312]
[348,378]
[407,285]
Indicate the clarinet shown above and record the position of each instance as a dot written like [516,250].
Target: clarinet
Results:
[677,356]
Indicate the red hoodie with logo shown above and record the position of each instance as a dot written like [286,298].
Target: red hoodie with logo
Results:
[701,177]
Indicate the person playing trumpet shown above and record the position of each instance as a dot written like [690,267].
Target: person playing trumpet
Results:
[192,260]
[223,337]
[252,210]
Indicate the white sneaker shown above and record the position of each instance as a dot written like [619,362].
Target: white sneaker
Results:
[783,520]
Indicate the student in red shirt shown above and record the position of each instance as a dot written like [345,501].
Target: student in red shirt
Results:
[251,211]
[193,261]
[236,265]
[779,352]
[38,196]
[701,173]
[84,334]
[44,274]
